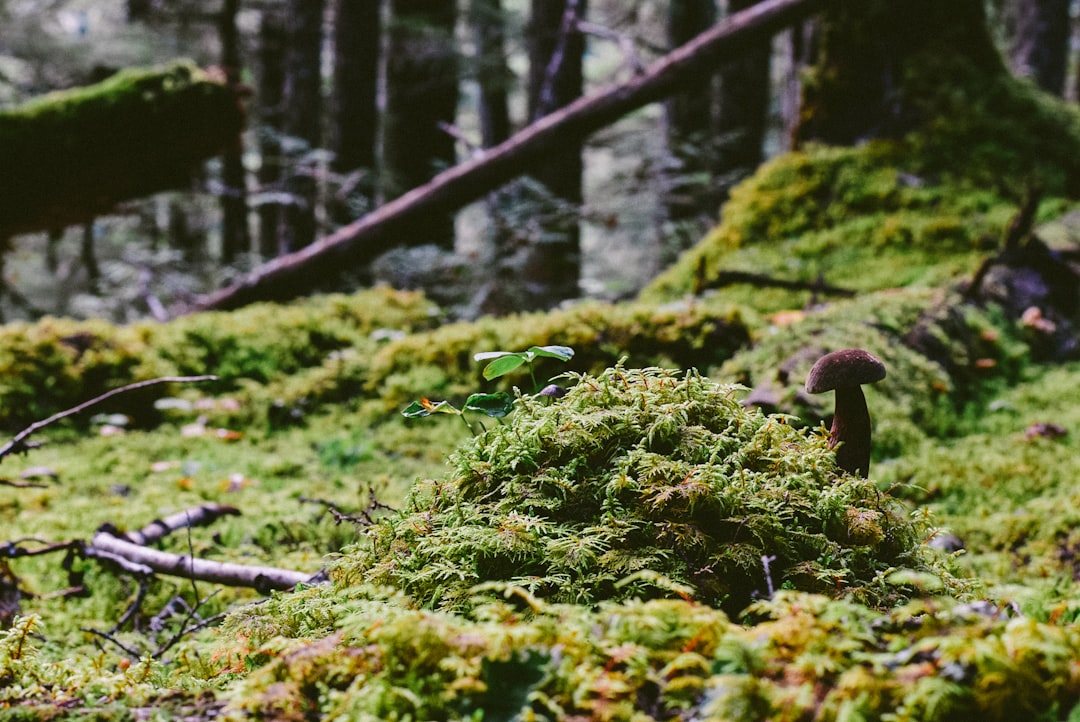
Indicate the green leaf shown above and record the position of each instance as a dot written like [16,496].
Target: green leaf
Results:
[504,365]
[485,355]
[563,353]
[423,407]
[495,405]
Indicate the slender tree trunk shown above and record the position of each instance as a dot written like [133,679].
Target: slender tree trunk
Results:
[421,95]
[1041,44]
[302,118]
[689,116]
[742,108]
[235,234]
[556,49]
[494,78]
[271,84]
[357,39]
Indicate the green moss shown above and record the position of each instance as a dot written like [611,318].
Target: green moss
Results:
[805,657]
[81,151]
[440,363]
[55,364]
[891,212]
[636,474]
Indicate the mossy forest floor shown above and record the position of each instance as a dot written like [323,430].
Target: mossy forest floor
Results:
[645,548]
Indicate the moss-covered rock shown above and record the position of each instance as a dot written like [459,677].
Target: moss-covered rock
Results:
[643,482]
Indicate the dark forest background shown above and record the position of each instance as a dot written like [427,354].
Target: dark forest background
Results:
[355,102]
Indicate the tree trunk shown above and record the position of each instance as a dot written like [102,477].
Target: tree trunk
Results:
[235,235]
[357,39]
[689,116]
[867,49]
[421,95]
[556,47]
[1041,44]
[742,109]
[494,78]
[271,83]
[302,118]
[384,228]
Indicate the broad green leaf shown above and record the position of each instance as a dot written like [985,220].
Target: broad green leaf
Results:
[495,405]
[504,365]
[485,355]
[563,353]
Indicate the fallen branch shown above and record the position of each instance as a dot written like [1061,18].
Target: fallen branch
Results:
[759,280]
[159,528]
[18,443]
[263,579]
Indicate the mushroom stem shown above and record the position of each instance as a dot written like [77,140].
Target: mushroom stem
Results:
[851,431]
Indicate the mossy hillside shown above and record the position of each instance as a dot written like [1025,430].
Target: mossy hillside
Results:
[849,216]
[642,482]
[896,212]
[371,656]
[946,360]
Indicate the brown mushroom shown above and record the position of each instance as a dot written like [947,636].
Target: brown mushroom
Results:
[845,372]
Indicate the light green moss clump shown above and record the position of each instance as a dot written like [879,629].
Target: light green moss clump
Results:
[642,482]
[55,364]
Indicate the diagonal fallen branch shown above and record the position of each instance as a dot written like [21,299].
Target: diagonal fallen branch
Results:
[359,242]
[18,443]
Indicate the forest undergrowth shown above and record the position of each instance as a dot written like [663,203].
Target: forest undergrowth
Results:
[644,547]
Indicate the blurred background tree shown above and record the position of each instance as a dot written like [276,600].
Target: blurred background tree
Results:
[355,102]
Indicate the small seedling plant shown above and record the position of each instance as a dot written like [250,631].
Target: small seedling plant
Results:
[495,405]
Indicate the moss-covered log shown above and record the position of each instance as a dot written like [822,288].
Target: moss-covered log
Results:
[74,154]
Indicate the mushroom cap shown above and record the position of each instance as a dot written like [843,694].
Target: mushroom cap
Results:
[846,367]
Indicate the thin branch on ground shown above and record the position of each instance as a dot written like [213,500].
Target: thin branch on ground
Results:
[759,280]
[159,528]
[18,442]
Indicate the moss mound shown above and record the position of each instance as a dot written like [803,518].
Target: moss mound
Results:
[642,482]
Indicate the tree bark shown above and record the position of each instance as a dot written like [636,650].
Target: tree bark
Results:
[742,109]
[551,269]
[689,117]
[357,39]
[235,234]
[421,95]
[302,118]
[1041,44]
[866,51]
[493,77]
[271,84]
[360,241]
